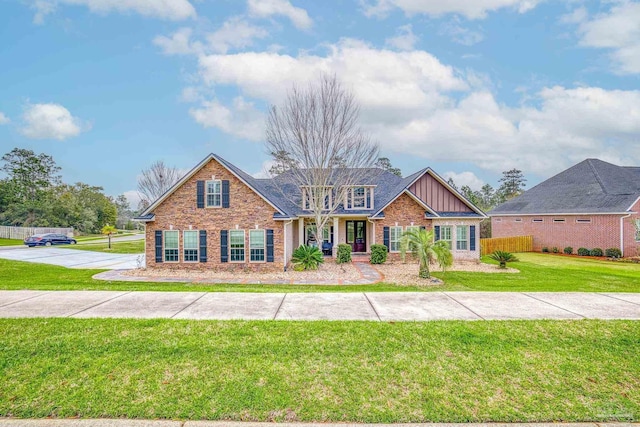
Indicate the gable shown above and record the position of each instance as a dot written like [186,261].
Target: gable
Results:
[437,196]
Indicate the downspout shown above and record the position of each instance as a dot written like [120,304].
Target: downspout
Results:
[373,235]
[284,255]
[622,233]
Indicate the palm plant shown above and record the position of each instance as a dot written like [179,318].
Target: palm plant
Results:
[422,245]
[306,258]
[503,257]
[109,230]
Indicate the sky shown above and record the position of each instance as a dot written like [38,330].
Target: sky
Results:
[470,88]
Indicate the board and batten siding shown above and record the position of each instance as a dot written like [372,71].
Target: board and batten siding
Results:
[436,195]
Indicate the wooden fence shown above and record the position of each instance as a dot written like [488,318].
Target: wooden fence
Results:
[509,244]
[22,233]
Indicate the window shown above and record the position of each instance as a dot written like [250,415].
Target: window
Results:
[445,235]
[394,238]
[236,245]
[311,195]
[558,220]
[412,228]
[190,242]
[518,220]
[214,193]
[583,220]
[171,248]
[360,198]
[537,220]
[256,245]
[636,224]
[461,237]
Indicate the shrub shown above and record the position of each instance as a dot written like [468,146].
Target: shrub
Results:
[545,249]
[344,253]
[596,252]
[378,254]
[555,250]
[584,252]
[613,253]
[568,250]
[503,257]
[307,258]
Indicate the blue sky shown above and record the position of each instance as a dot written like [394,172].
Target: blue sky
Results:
[468,87]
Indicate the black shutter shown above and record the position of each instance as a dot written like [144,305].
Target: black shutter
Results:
[158,246]
[225,193]
[472,237]
[203,246]
[385,237]
[224,246]
[200,194]
[437,231]
[269,245]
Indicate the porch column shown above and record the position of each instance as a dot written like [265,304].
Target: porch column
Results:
[336,236]
[301,232]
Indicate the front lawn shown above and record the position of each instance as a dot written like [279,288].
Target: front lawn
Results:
[11,242]
[500,371]
[126,247]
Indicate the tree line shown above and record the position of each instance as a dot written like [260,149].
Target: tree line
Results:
[32,194]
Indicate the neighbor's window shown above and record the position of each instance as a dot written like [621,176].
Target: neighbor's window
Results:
[537,220]
[214,193]
[236,245]
[461,237]
[445,235]
[171,248]
[583,220]
[558,220]
[518,220]
[394,238]
[256,245]
[360,198]
[637,225]
[190,242]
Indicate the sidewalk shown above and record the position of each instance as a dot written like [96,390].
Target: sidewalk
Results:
[371,306]
[168,423]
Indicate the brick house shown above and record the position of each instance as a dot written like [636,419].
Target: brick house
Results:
[218,216]
[593,204]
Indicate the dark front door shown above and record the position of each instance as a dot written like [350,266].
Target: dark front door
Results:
[357,235]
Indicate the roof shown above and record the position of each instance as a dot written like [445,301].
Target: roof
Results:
[388,187]
[592,186]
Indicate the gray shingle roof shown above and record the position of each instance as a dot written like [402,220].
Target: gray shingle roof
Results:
[591,186]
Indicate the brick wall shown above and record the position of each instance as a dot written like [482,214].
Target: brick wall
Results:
[603,231]
[246,211]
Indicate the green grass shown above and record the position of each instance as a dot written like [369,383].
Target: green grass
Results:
[89,237]
[11,242]
[321,371]
[127,247]
[539,272]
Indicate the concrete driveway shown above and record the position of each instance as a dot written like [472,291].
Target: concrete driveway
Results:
[372,306]
[73,258]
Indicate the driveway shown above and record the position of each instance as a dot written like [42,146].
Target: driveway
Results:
[73,258]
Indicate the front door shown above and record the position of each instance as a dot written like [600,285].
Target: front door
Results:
[357,235]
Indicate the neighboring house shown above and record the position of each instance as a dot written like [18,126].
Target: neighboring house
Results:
[593,204]
[218,216]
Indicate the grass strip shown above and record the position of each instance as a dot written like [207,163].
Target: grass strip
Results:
[501,371]
[11,242]
[126,247]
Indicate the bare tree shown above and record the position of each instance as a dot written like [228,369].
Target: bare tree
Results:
[156,180]
[316,131]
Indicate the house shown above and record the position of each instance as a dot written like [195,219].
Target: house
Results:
[593,204]
[218,216]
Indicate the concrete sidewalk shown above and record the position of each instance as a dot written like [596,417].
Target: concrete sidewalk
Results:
[372,306]
[170,423]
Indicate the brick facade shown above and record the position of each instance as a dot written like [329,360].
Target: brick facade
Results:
[602,232]
[247,210]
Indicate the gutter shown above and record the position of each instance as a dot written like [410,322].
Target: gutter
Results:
[622,233]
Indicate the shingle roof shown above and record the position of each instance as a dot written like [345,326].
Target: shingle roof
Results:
[591,186]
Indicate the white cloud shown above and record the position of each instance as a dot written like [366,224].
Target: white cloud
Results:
[267,8]
[179,43]
[460,34]
[174,10]
[471,9]
[404,38]
[264,170]
[3,119]
[51,121]
[234,33]
[133,197]
[465,178]
[240,119]
[617,30]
